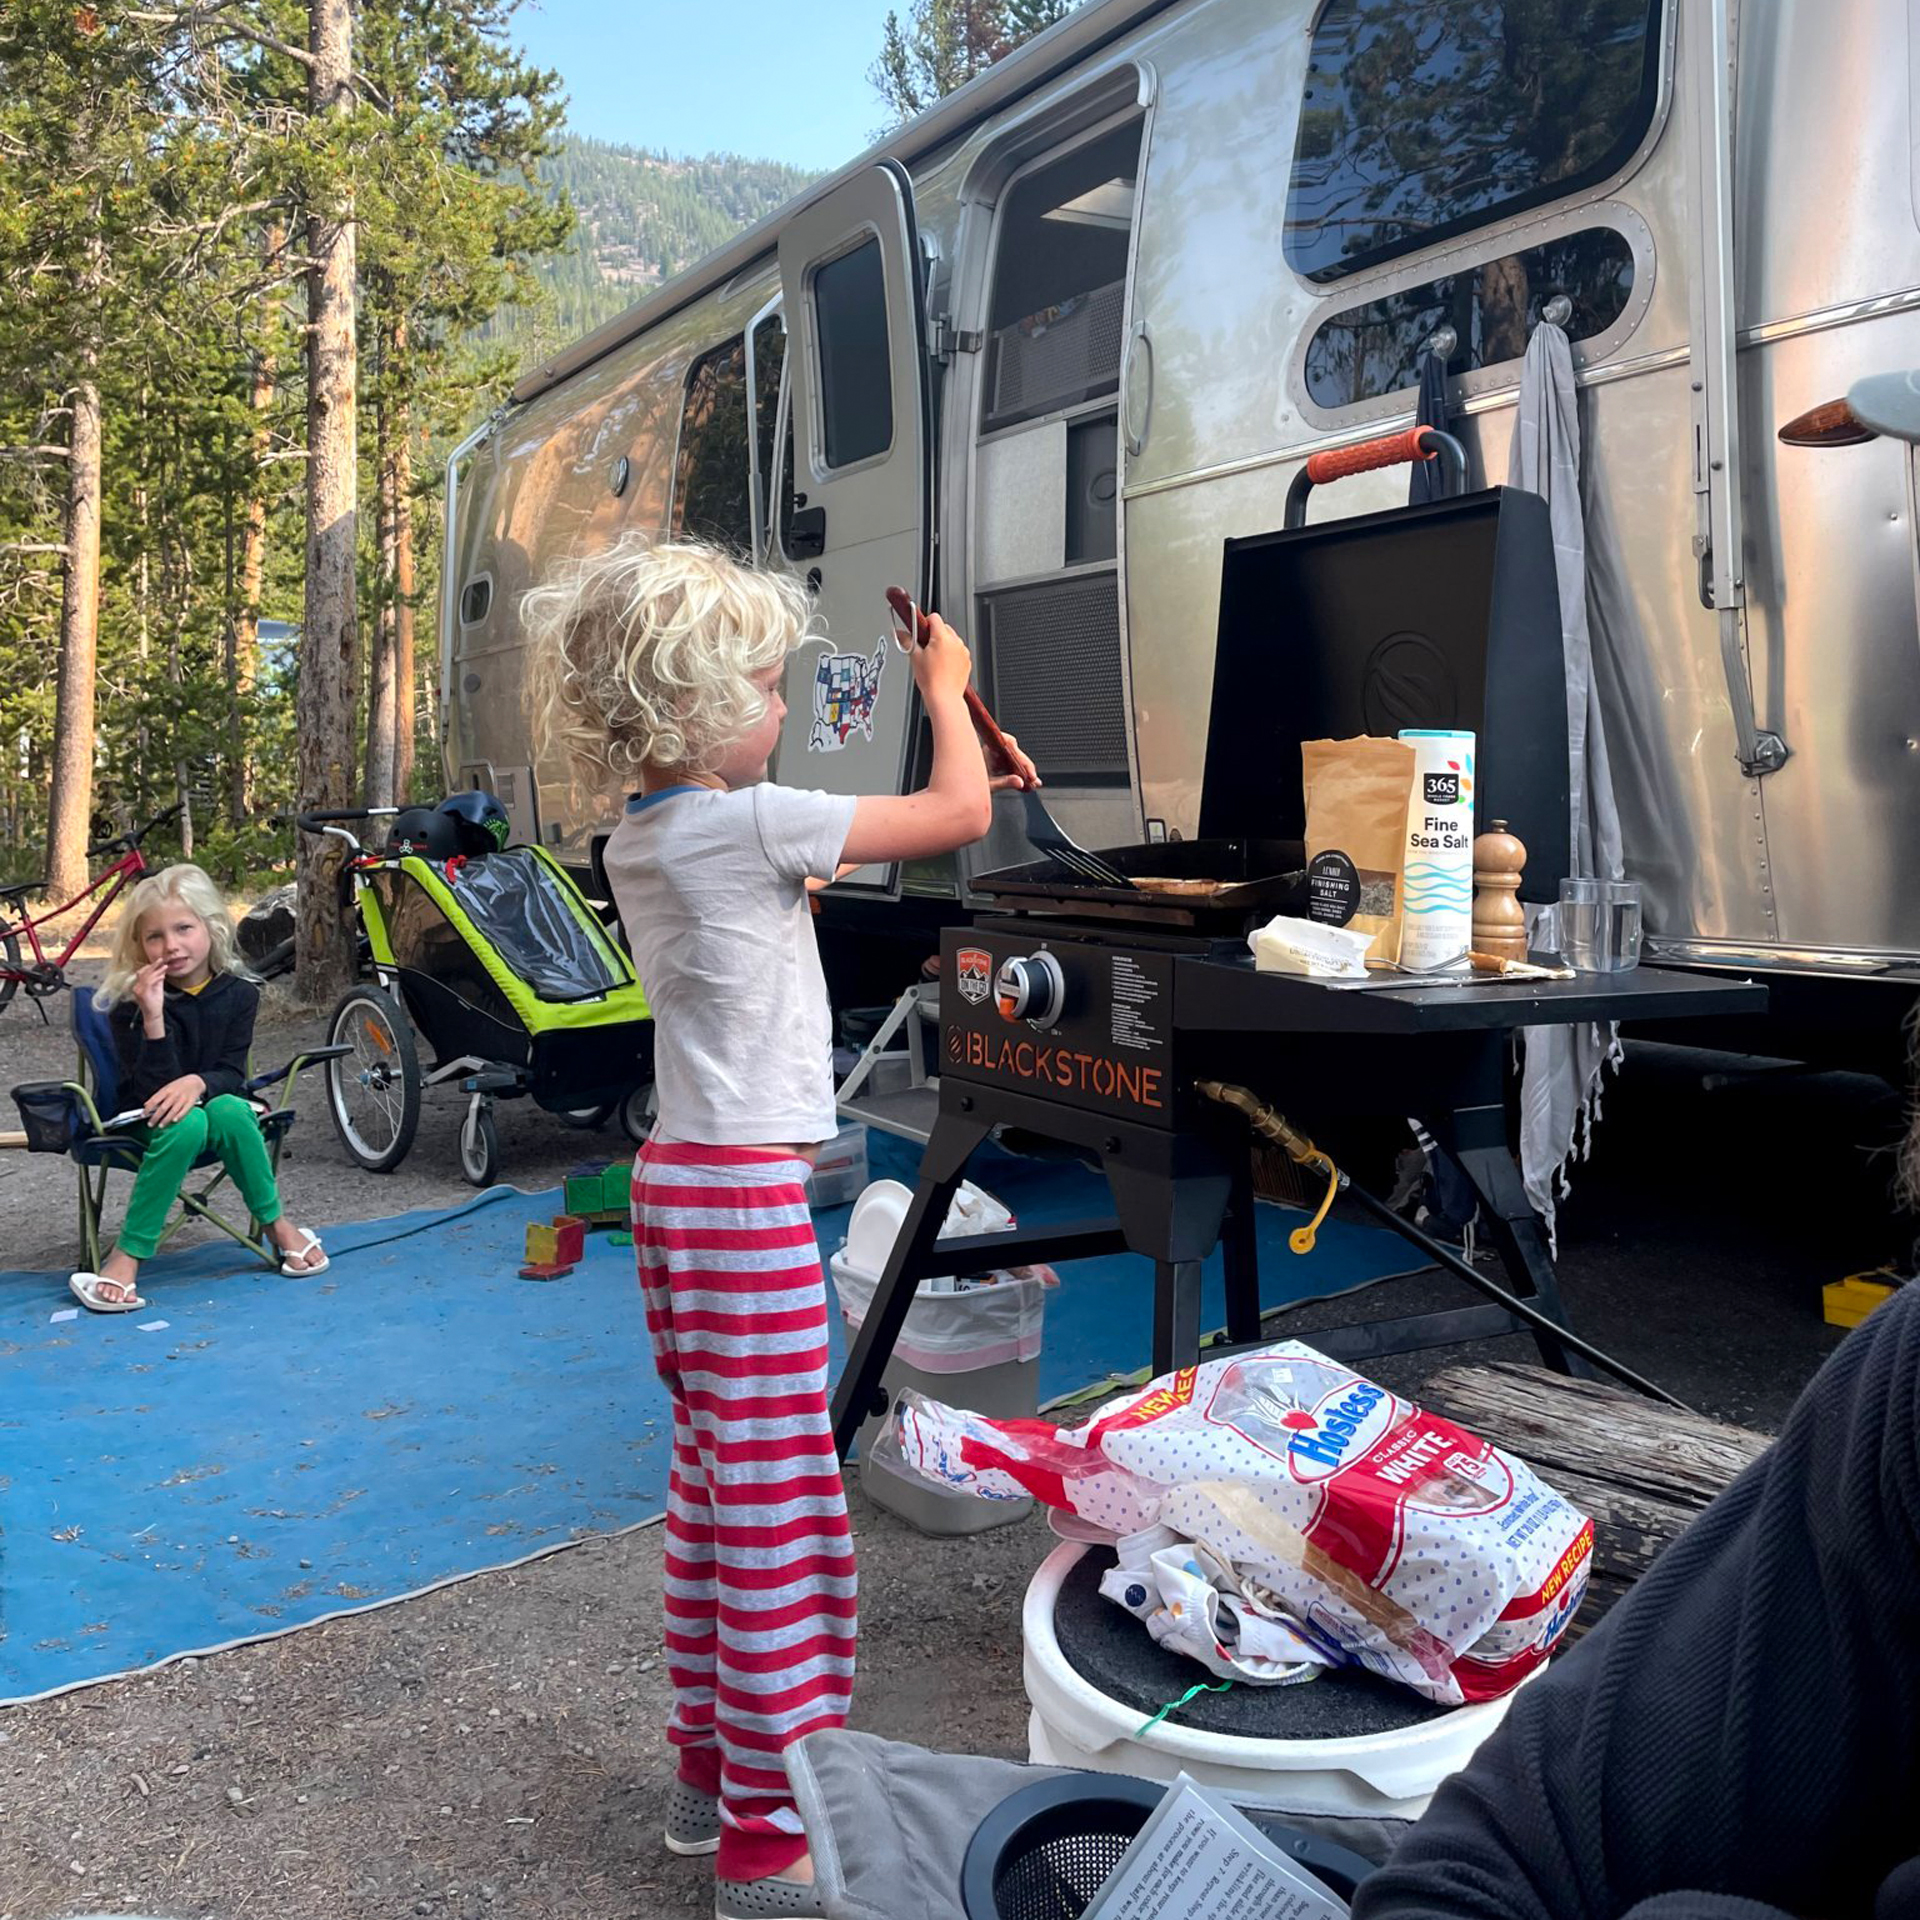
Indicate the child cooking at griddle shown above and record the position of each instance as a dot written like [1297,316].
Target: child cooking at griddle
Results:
[660,666]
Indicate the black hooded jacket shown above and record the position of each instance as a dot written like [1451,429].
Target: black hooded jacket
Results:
[209,1033]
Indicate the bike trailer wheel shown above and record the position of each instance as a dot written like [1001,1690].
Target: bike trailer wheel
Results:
[373,1093]
[479,1144]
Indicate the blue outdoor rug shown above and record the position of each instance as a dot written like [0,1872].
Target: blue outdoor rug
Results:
[252,1454]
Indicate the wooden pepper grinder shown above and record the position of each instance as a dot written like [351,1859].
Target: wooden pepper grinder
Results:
[1499,920]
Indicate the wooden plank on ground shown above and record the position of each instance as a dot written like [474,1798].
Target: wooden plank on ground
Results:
[1640,1469]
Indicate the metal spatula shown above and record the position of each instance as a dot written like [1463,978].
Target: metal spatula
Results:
[1045,833]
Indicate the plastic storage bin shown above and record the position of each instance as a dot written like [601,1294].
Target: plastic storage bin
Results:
[979,1348]
[840,1170]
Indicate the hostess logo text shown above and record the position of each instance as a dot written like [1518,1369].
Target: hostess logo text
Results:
[1327,1442]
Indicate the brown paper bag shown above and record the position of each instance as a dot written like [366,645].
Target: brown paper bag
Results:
[1357,796]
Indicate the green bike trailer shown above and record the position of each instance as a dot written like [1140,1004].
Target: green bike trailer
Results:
[502,967]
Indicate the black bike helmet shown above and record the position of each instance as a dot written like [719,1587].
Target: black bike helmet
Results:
[424,831]
[479,820]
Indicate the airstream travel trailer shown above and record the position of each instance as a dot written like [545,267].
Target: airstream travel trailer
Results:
[1044,352]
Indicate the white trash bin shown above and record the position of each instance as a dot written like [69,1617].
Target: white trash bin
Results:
[972,1346]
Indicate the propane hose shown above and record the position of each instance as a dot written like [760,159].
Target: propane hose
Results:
[1270,1124]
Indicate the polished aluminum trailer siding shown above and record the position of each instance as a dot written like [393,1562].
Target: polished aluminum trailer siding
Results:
[1772,214]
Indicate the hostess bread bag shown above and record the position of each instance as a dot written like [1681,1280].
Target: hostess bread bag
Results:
[1376,1534]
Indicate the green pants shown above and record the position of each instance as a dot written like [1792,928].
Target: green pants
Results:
[226,1126]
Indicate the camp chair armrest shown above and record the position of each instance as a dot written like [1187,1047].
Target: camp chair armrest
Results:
[294,1067]
[84,1097]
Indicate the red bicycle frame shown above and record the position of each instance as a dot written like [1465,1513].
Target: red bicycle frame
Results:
[43,974]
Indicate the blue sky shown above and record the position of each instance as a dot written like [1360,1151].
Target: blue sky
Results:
[771,79]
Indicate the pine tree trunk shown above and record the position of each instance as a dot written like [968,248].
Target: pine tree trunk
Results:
[404,666]
[329,630]
[70,806]
[382,701]
[252,572]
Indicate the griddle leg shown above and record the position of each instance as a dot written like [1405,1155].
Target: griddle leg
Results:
[1174,1216]
[1516,1229]
[949,1148]
[1241,1258]
[1176,1314]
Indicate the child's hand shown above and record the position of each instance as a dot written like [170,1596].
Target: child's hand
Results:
[175,1100]
[942,666]
[150,989]
[1019,775]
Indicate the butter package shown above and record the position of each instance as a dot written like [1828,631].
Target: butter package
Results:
[1287,945]
[1357,793]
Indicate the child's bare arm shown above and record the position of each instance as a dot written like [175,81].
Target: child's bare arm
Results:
[955,807]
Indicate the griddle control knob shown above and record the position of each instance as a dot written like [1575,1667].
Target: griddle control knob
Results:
[1032,989]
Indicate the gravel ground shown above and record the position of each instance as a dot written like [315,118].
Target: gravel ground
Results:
[491,1749]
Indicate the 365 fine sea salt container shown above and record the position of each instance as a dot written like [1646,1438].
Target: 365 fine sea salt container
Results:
[1438,892]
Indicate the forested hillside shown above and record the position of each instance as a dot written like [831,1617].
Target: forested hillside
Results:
[642,217]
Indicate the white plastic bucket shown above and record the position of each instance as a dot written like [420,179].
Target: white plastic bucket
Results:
[1377,1776]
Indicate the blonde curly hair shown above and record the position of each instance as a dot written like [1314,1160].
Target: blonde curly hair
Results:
[646,651]
[191,887]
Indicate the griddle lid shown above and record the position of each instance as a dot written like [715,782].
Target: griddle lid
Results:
[1444,615]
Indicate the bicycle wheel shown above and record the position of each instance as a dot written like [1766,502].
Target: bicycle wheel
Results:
[9,967]
[373,1093]
[636,1113]
[585,1119]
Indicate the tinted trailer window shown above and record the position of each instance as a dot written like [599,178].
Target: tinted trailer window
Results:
[1428,118]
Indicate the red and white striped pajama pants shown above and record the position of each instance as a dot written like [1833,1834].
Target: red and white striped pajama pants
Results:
[760,1588]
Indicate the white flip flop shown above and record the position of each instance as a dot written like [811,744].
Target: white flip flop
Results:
[85,1287]
[309,1245]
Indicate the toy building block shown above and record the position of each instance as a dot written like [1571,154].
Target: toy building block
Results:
[569,1238]
[1847,1302]
[619,1239]
[546,1270]
[582,1190]
[543,1245]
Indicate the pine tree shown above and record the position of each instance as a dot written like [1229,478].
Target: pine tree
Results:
[942,44]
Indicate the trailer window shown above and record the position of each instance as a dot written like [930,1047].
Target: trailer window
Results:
[1060,282]
[1425,118]
[710,486]
[856,383]
[1374,350]
[775,459]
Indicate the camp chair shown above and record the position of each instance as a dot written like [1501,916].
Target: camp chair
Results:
[71,1117]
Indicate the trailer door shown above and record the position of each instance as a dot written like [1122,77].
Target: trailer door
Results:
[863,483]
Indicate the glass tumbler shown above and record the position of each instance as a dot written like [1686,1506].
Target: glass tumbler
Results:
[1620,925]
[1582,927]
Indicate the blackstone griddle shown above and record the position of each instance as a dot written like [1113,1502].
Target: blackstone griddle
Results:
[1264,877]
[1089,1017]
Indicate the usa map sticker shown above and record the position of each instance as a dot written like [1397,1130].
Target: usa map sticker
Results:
[846,688]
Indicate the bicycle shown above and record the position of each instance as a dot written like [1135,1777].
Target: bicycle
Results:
[44,975]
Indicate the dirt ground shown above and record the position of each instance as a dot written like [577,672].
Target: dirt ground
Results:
[492,1748]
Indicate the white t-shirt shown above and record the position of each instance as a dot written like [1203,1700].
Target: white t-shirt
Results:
[712,893]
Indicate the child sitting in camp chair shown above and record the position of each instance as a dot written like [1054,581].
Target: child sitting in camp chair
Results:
[182,1008]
